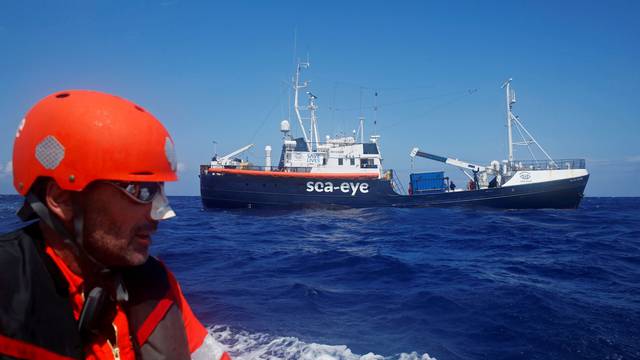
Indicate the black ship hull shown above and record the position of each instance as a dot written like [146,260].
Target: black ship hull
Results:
[250,191]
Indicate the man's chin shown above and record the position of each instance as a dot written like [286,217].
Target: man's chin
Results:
[139,258]
[139,250]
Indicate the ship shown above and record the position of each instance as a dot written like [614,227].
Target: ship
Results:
[348,172]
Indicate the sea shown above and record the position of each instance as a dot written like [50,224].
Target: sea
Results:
[387,283]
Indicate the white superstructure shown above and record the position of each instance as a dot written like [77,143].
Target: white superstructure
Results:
[338,155]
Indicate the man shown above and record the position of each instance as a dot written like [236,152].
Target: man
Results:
[79,282]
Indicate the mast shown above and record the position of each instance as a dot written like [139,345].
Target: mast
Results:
[314,121]
[511,99]
[296,105]
[527,138]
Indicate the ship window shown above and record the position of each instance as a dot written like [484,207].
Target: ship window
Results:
[324,161]
[353,161]
[368,164]
[340,161]
[301,145]
[370,148]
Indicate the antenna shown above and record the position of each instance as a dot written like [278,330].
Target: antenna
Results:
[375,111]
[361,118]
[296,104]
[295,45]
[360,106]
[507,85]
[314,121]
[295,49]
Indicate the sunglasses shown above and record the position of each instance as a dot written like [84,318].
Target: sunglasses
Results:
[141,192]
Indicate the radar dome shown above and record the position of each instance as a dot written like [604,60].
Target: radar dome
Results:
[495,165]
[285,126]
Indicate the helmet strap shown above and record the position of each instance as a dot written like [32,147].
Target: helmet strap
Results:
[78,227]
[112,276]
[75,241]
[35,206]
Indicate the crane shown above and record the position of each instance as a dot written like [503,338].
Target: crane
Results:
[454,162]
[229,158]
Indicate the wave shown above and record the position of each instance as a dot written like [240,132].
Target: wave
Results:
[243,345]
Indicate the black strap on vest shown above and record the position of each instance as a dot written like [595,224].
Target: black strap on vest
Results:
[35,307]
[59,281]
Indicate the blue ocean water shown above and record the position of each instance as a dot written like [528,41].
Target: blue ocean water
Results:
[409,283]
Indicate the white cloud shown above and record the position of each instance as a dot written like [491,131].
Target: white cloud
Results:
[601,162]
[6,170]
[633,159]
[181,167]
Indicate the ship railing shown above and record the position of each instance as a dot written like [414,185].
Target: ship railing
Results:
[305,169]
[556,164]
[334,141]
[300,169]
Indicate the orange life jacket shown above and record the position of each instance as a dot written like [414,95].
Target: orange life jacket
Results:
[42,299]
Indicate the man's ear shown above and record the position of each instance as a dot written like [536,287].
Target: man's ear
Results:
[58,201]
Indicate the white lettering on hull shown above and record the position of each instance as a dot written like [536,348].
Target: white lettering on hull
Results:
[345,187]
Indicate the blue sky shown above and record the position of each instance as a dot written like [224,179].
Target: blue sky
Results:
[219,71]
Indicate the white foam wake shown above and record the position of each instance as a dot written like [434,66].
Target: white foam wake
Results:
[243,345]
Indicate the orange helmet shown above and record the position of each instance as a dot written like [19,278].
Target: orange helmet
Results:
[78,136]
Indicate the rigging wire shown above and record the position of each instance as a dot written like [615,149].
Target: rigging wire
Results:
[441,105]
[386,89]
[406,101]
[525,141]
[267,116]
[375,107]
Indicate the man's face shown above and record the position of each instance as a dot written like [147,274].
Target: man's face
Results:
[117,229]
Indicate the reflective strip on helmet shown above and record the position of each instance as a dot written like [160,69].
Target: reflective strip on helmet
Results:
[20,127]
[170,153]
[50,152]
